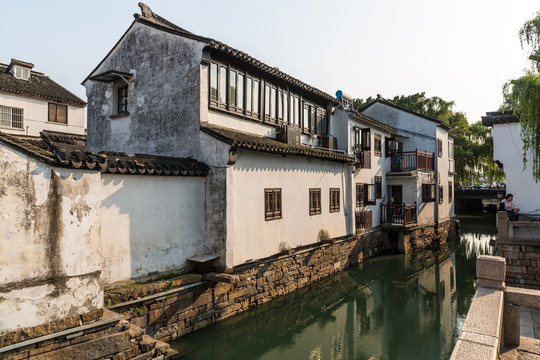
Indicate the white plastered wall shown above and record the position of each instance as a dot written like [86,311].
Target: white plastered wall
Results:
[508,149]
[50,246]
[36,116]
[150,223]
[249,235]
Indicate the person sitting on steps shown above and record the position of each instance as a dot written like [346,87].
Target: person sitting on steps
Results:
[509,207]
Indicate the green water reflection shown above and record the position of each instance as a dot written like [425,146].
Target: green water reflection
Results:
[390,307]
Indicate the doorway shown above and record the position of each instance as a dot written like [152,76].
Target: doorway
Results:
[396,193]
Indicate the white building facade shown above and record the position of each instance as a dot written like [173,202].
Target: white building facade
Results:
[508,153]
[31,102]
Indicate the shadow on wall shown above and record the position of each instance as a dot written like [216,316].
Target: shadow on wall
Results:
[150,224]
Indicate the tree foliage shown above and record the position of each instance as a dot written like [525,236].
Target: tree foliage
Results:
[473,145]
[522,95]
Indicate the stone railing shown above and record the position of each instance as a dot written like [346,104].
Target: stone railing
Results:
[480,336]
[493,319]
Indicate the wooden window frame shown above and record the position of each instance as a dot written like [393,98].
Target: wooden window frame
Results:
[367,199]
[272,209]
[390,146]
[441,194]
[378,187]
[314,201]
[56,106]
[450,192]
[334,200]
[439,147]
[366,139]
[377,145]
[359,194]
[428,192]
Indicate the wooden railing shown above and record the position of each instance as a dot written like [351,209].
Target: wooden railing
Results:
[413,160]
[403,214]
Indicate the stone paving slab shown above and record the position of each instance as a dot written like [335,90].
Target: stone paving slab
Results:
[529,322]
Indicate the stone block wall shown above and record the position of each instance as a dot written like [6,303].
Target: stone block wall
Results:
[100,334]
[523,264]
[178,313]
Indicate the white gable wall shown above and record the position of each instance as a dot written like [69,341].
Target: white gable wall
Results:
[508,149]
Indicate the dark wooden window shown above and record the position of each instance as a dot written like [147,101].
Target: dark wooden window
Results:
[306,122]
[314,201]
[369,194]
[240,93]
[232,89]
[428,192]
[363,220]
[439,147]
[450,192]
[366,139]
[377,145]
[378,187]
[213,82]
[122,97]
[391,146]
[441,194]
[272,204]
[357,146]
[222,92]
[334,200]
[359,195]
[59,113]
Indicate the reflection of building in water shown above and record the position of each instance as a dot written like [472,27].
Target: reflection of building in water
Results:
[409,302]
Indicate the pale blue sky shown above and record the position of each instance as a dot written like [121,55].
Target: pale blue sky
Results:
[458,50]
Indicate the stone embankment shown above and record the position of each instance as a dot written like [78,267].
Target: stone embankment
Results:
[141,318]
[100,334]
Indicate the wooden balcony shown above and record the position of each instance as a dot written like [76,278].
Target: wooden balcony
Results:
[402,214]
[413,160]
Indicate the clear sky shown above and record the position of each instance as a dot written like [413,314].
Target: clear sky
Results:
[460,50]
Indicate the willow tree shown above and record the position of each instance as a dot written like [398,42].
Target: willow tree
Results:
[523,95]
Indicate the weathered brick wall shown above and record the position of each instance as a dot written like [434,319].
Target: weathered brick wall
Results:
[522,264]
[93,337]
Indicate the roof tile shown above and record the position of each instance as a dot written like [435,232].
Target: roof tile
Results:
[38,85]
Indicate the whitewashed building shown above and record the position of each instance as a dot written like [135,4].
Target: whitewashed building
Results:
[422,169]
[290,165]
[31,102]
[508,154]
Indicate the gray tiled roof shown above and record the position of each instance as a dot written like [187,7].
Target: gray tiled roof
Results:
[499,117]
[68,150]
[242,140]
[39,86]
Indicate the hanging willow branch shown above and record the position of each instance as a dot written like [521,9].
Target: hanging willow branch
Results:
[523,96]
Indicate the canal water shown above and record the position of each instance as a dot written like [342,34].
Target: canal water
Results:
[391,307]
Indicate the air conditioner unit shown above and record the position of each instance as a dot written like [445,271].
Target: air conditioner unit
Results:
[289,134]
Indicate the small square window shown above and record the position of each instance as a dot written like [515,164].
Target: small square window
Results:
[58,113]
